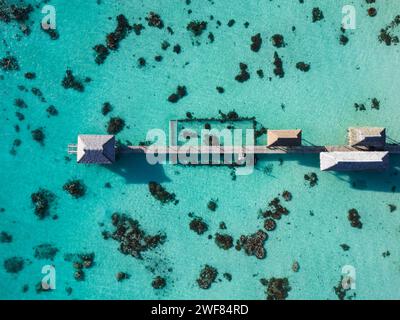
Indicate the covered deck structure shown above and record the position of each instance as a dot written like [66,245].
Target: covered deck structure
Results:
[354,161]
[284,138]
[366,149]
[94,149]
[367,137]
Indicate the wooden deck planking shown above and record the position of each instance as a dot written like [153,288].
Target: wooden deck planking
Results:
[394,149]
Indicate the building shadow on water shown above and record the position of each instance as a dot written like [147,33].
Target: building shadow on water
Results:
[306,160]
[269,163]
[135,169]
[385,181]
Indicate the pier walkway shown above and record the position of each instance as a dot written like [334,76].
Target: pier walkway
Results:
[367,149]
[391,148]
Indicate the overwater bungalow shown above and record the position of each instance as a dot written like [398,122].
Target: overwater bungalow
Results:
[354,161]
[367,137]
[284,138]
[94,149]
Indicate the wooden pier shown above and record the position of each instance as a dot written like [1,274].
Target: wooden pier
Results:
[391,148]
[367,149]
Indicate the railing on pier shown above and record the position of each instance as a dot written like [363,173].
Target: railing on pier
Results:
[391,148]
[72,149]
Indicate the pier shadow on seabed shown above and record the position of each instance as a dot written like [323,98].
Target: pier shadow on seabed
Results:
[135,169]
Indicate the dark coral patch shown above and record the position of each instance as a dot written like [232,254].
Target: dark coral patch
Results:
[197,27]
[154,20]
[269,224]
[224,241]
[278,70]
[14,264]
[42,200]
[38,135]
[198,225]
[9,63]
[386,35]
[45,252]
[106,109]
[256,42]
[80,262]
[120,276]
[311,178]
[302,66]
[278,40]
[244,75]
[115,125]
[30,75]
[5,237]
[253,244]
[75,188]
[70,82]
[354,218]
[114,38]
[160,193]
[158,283]
[102,53]
[212,205]
[276,288]
[208,275]
[132,238]
[317,15]
[180,93]
[52,111]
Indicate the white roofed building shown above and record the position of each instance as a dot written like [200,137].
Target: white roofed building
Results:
[354,161]
[96,149]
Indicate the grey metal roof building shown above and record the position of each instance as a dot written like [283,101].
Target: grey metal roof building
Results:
[96,149]
[367,137]
[354,161]
[284,138]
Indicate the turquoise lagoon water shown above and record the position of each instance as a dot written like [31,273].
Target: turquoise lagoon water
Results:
[321,102]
